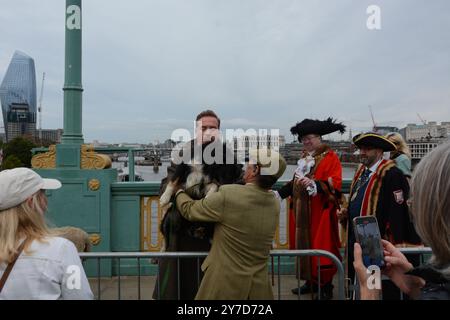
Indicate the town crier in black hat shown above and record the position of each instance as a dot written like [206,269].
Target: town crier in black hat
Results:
[380,189]
[374,140]
[315,191]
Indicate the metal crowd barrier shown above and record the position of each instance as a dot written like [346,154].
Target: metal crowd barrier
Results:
[417,250]
[311,253]
[118,256]
[276,256]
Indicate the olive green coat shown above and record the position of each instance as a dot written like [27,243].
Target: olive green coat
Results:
[246,218]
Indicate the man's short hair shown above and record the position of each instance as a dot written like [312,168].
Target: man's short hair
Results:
[208,113]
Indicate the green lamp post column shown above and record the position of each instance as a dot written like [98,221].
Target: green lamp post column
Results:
[69,151]
[84,201]
[73,89]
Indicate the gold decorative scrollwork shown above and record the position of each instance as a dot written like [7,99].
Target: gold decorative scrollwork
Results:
[92,160]
[45,160]
[95,239]
[94,184]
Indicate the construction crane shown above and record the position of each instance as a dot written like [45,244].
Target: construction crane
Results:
[421,119]
[374,129]
[40,107]
[425,124]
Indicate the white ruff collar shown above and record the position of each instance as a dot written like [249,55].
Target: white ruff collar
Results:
[304,166]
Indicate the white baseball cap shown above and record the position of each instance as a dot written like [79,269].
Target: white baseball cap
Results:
[17,185]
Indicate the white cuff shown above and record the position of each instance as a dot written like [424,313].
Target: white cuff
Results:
[312,190]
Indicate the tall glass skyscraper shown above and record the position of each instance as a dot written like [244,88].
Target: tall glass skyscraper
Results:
[18,97]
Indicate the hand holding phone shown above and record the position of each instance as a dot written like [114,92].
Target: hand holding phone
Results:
[367,234]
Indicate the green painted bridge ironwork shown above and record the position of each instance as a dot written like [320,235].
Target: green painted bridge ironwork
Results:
[119,216]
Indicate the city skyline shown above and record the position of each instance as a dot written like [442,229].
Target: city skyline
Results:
[155,65]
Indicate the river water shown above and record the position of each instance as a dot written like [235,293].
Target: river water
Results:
[147,173]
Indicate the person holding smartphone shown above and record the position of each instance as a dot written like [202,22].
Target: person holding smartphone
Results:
[431,212]
[367,234]
[378,189]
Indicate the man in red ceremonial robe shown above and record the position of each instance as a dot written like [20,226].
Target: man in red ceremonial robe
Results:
[315,190]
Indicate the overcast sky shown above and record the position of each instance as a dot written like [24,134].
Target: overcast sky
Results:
[149,66]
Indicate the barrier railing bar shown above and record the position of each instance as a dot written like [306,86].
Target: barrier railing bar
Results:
[198,272]
[279,278]
[158,279]
[318,282]
[299,266]
[278,253]
[139,278]
[98,279]
[178,276]
[118,271]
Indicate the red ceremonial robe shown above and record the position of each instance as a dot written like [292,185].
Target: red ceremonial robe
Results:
[316,223]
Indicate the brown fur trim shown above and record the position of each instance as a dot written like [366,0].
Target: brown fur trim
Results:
[334,197]
[375,192]
[343,201]
[330,197]
[322,150]
[320,153]
[302,209]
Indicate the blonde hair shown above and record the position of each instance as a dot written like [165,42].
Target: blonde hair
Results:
[400,143]
[23,221]
[431,210]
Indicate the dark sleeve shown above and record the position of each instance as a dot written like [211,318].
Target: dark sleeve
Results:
[319,187]
[324,187]
[170,171]
[396,224]
[233,169]
[286,190]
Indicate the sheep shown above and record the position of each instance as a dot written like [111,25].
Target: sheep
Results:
[78,237]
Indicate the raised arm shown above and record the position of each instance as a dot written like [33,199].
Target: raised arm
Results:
[209,209]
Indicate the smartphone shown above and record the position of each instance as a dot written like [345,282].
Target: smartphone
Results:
[367,234]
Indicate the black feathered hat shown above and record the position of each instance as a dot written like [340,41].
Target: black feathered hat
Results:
[309,126]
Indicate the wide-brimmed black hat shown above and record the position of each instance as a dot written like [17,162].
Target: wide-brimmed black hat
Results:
[375,140]
[309,126]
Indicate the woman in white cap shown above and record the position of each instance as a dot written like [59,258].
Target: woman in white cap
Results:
[34,264]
